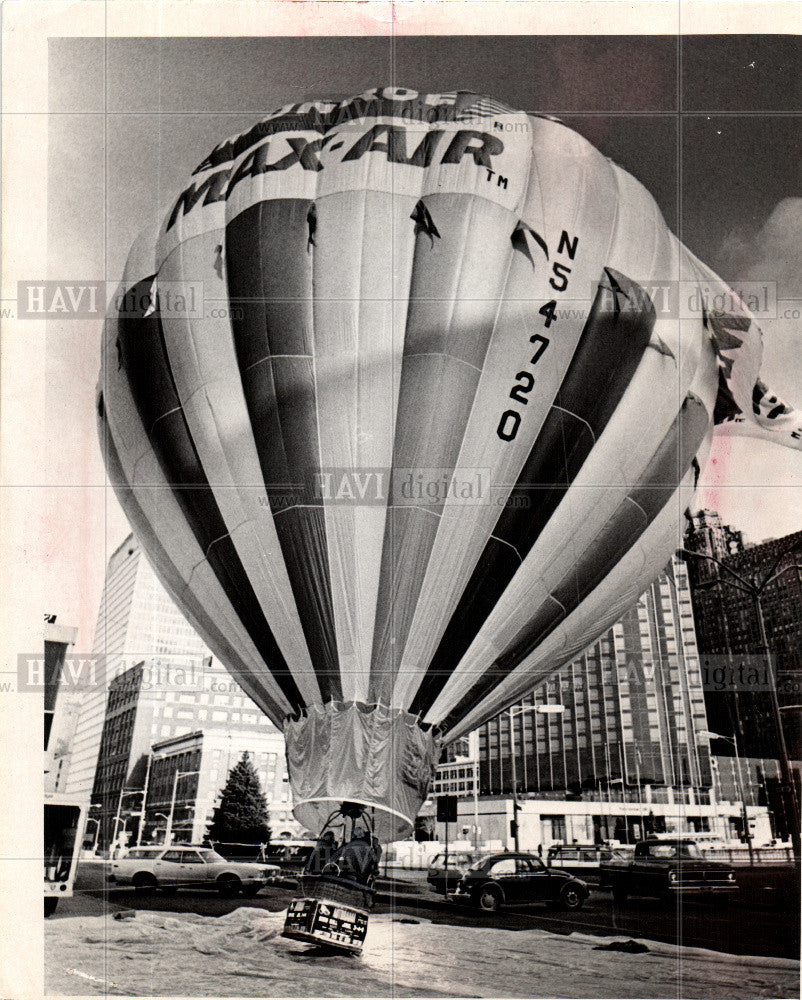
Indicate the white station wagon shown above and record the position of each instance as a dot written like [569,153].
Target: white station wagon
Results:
[173,868]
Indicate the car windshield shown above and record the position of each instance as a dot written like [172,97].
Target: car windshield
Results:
[211,856]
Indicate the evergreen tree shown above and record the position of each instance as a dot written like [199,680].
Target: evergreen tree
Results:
[241,816]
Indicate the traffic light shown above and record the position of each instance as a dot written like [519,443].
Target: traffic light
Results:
[446,808]
[776,796]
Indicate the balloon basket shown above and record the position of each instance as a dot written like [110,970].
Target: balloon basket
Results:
[330,911]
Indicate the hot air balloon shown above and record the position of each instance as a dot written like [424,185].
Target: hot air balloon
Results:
[398,416]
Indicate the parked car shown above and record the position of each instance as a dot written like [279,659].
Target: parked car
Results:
[291,856]
[585,860]
[444,880]
[518,878]
[172,868]
[667,869]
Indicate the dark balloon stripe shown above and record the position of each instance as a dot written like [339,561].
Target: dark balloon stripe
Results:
[170,576]
[143,356]
[269,269]
[610,348]
[640,508]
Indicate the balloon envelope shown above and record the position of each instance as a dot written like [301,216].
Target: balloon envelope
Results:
[405,401]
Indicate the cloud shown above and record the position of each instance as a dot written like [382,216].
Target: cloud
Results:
[756,485]
[774,254]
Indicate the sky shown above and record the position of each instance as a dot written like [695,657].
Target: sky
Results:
[708,124]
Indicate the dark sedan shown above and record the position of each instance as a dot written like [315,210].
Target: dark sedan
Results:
[518,878]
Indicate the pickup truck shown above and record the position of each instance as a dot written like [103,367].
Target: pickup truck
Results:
[667,869]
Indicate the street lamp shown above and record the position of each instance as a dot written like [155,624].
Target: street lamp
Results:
[124,793]
[96,821]
[755,590]
[168,835]
[115,834]
[513,714]
[706,734]
[156,829]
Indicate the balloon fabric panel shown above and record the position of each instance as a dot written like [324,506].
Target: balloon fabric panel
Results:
[615,336]
[147,368]
[273,335]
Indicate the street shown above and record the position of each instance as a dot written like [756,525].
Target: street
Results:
[738,928]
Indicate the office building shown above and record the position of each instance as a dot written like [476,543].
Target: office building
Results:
[152,680]
[708,535]
[738,693]
[137,624]
[149,733]
[188,773]
[611,747]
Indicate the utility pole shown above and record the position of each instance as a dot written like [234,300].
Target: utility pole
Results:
[141,828]
[515,805]
[168,833]
[790,803]
[741,787]
[168,836]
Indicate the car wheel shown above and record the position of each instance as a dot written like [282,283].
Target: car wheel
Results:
[488,899]
[143,882]
[619,894]
[228,885]
[571,898]
[51,902]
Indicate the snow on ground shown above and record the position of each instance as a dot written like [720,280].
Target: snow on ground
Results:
[243,955]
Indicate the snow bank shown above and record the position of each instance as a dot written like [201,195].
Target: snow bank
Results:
[243,955]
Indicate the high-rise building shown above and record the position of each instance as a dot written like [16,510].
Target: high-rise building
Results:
[153,680]
[706,533]
[150,728]
[632,705]
[728,634]
[137,623]
[612,746]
